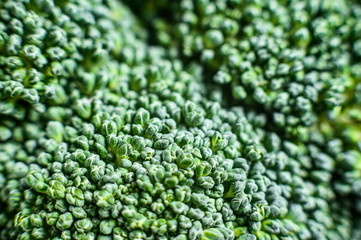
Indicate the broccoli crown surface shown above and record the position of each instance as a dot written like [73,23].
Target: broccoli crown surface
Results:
[190,119]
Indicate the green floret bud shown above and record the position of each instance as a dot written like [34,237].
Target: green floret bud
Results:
[104,198]
[55,130]
[36,181]
[75,196]
[106,226]
[213,233]
[213,38]
[222,77]
[83,225]
[52,218]
[64,221]
[5,133]
[159,226]
[179,207]
[56,189]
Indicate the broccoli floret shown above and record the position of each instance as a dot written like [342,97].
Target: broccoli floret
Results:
[149,172]
[289,59]
[45,46]
[180,120]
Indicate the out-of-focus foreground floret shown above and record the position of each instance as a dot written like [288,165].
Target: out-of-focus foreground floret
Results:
[105,136]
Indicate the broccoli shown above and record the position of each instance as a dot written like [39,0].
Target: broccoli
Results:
[290,59]
[191,119]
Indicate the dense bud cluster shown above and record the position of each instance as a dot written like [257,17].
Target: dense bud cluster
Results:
[129,173]
[290,59]
[220,120]
[296,61]
[46,44]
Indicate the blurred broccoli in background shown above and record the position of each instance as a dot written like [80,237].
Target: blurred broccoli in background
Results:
[190,119]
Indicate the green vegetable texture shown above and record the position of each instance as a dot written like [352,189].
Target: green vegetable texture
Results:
[189,119]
